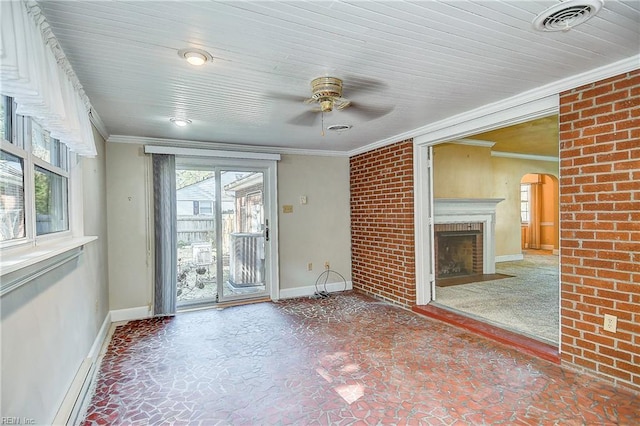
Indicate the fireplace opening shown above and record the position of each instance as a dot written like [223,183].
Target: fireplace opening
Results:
[458,250]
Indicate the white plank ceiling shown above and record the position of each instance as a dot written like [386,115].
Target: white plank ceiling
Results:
[419,62]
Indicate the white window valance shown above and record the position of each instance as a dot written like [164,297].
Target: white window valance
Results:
[42,88]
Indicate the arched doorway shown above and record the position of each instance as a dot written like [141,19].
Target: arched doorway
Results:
[539,211]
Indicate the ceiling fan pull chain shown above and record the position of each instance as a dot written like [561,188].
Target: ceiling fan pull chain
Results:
[322,114]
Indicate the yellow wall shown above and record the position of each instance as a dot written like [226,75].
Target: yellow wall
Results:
[549,230]
[464,171]
[461,171]
[549,214]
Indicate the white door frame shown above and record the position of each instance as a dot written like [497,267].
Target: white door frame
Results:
[268,162]
[460,126]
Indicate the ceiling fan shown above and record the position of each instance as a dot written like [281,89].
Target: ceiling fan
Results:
[326,92]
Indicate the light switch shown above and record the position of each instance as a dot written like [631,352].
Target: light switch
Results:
[303,199]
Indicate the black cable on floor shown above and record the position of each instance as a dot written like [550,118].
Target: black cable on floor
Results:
[324,293]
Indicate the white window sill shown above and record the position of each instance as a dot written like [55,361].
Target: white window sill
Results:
[22,265]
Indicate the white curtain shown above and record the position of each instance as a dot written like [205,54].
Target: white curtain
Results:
[30,73]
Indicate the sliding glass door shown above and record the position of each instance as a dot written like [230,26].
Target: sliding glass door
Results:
[223,235]
[244,232]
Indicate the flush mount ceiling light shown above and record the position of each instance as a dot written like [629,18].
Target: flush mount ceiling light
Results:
[194,56]
[566,15]
[180,122]
[339,127]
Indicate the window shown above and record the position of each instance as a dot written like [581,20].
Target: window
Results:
[12,224]
[51,202]
[205,208]
[524,203]
[34,179]
[3,118]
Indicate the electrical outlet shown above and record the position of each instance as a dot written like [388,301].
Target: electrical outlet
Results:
[326,265]
[309,266]
[610,323]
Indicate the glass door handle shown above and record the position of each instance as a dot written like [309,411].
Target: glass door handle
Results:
[266,230]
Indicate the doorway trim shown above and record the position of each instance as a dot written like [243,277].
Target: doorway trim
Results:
[269,162]
[460,126]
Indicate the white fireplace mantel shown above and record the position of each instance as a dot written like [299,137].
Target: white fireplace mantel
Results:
[461,210]
[457,206]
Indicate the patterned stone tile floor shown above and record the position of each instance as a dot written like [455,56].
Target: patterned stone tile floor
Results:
[344,360]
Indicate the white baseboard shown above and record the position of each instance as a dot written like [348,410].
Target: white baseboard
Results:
[71,408]
[288,293]
[509,257]
[547,246]
[130,314]
[100,338]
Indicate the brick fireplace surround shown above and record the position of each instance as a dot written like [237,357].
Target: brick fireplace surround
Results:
[468,250]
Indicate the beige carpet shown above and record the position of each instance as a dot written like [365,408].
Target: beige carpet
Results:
[527,303]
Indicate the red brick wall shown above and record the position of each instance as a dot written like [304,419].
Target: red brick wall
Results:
[382,224]
[600,226]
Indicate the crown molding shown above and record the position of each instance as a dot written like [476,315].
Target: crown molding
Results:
[141,140]
[529,105]
[98,124]
[384,142]
[519,156]
[515,110]
[475,142]
[620,67]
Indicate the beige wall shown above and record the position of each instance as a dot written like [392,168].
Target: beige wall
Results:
[50,324]
[463,171]
[130,221]
[315,232]
[320,230]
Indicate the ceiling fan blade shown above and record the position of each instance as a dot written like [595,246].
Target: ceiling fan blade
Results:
[369,112]
[307,118]
[285,97]
[341,103]
[354,84]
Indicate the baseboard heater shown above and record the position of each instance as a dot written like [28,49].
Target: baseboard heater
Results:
[73,406]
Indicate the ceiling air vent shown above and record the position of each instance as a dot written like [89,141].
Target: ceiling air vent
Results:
[339,127]
[566,15]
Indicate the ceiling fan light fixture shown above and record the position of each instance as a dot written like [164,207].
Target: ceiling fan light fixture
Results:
[180,122]
[196,57]
[326,105]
